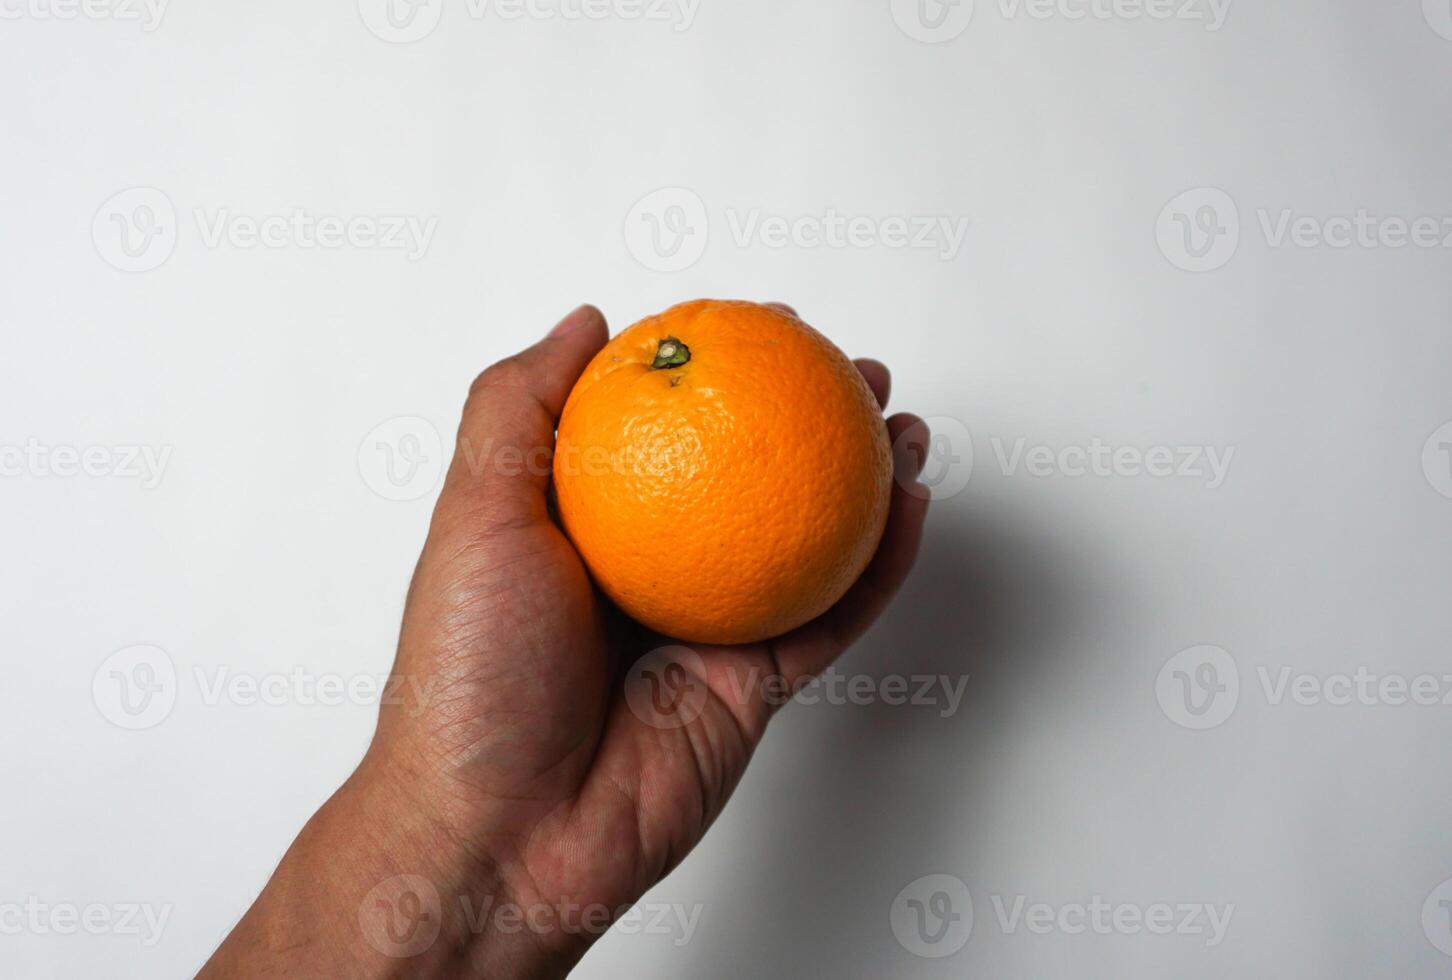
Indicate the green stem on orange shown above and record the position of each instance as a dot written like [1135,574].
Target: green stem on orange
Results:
[671,353]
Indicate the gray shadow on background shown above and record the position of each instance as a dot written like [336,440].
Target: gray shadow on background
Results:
[881,789]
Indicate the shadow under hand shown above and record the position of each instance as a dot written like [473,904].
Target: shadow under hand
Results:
[861,796]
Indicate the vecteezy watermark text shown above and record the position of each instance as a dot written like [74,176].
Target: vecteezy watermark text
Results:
[924,232]
[666,688]
[933,917]
[138,229]
[668,229]
[402,917]
[34,459]
[404,459]
[938,21]
[406,21]
[147,13]
[138,687]
[41,918]
[1201,230]
[299,228]
[1101,918]
[1207,464]
[1200,687]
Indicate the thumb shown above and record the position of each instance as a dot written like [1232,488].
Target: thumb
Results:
[501,464]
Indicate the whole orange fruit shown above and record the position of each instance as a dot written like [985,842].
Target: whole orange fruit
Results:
[724,471]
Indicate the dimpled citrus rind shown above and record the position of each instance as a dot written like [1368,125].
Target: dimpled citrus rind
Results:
[732,498]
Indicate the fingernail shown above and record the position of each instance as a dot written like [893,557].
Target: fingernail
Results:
[577,318]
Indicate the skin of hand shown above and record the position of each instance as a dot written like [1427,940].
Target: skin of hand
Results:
[512,771]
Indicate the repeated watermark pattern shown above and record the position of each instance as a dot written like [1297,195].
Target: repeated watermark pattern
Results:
[1200,688]
[1207,465]
[951,459]
[407,21]
[1439,17]
[401,917]
[668,229]
[939,21]
[932,917]
[1437,917]
[1201,230]
[142,464]
[402,459]
[138,687]
[1437,460]
[1202,920]
[666,689]
[38,917]
[137,230]
[932,21]
[147,14]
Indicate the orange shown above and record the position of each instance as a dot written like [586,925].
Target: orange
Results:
[724,471]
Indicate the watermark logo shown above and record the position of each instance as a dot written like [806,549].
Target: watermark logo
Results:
[666,687]
[1437,917]
[401,916]
[135,230]
[139,686]
[1199,231]
[147,13]
[402,459]
[933,916]
[932,21]
[947,459]
[1198,688]
[401,21]
[1437,460]
[135,688]
[1439,17]
[667,230]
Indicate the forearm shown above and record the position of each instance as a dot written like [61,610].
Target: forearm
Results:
[371,889]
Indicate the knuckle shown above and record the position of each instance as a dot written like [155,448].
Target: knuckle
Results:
[508,373]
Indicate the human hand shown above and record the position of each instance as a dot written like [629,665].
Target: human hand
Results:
[531,762]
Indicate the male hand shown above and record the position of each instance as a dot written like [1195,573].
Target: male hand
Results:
[547,768]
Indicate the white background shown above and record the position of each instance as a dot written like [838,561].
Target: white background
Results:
[1067,316]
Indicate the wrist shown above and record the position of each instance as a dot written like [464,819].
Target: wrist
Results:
[375,887]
